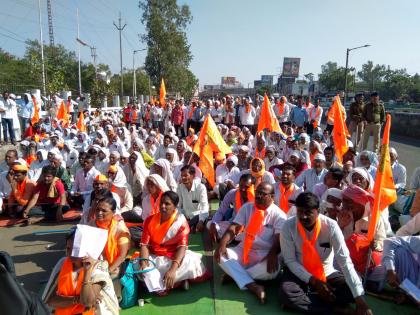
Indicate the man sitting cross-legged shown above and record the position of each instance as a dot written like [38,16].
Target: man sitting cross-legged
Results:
[310,241]
[230,206]
[256,256]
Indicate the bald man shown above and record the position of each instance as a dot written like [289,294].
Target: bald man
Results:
[256,257]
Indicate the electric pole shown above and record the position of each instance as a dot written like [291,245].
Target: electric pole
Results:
[120,29]
[50,23]
[44,90]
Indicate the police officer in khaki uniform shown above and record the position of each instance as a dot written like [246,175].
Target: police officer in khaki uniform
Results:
[374,116]
[356,120]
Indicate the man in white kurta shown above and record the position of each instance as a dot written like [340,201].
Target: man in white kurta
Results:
[263,261]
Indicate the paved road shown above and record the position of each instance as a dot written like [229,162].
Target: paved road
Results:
[34,260]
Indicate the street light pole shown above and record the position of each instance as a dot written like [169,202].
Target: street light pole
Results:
[346,70]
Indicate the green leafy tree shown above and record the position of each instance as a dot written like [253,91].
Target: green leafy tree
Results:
[332,77]
[168,54]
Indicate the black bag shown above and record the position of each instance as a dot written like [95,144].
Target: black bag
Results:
[13,296]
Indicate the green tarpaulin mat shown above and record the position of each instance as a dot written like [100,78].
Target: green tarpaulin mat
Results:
[229,300]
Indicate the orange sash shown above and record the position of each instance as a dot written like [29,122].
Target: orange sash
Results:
[157,229]
[284,197]
[30,159]
[147,115]
[280,108]
[250,196]
[254,226]
[247,108]
[260,154]
[318,112]
[190,114]
[66,288]
[155,203]
[134,118]
[310,257]
[20,190]
[111,247]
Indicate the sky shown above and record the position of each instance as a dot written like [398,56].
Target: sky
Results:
[240,38]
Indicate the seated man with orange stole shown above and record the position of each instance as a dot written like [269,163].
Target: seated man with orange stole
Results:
[310,241]
[165,241]
[22,189]
[256,257]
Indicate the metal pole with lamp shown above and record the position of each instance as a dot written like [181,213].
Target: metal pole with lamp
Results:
[346,70]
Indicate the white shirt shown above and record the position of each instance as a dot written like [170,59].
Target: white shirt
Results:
[10,108]
[193,202]
[82,183]
[274,161]
[283,117]
[277,195]
[5,188]
[272,226]
[223,174]
[412,227]
[157,113]
[330,246]
[309,178]
[415,179]
[399,173]
[313,114]
[247,119]
[216,114]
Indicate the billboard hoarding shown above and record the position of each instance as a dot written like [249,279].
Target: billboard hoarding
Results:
[291,67]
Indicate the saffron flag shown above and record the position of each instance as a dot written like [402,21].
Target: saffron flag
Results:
[210,141]
[162,94]
[35,117]
[62,114]
[268,119]
[384,189]
[81,123]
[340,131]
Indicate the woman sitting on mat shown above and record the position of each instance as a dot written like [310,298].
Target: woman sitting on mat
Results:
[165,240]
[80,285]
[118,243]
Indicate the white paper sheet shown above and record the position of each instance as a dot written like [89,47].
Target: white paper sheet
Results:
[89,241]
[410,288]
[154,281]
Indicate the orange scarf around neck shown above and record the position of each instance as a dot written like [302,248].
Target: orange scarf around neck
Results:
[280,108]
[253,228]
[247,108]
[159,229]
[66,287]
[284,197]
[111,247]
[190,114]
[238,200]
[155,203]
[310,257]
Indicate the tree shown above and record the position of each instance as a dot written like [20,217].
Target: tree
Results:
[168,54]
[372,75]
[332,77]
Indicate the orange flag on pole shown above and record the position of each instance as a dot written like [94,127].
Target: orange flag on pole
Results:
[81,123]
[268,119]
[340,130]
[384,189]
[62,114]
[35,118]
[209,142]
[162,94]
